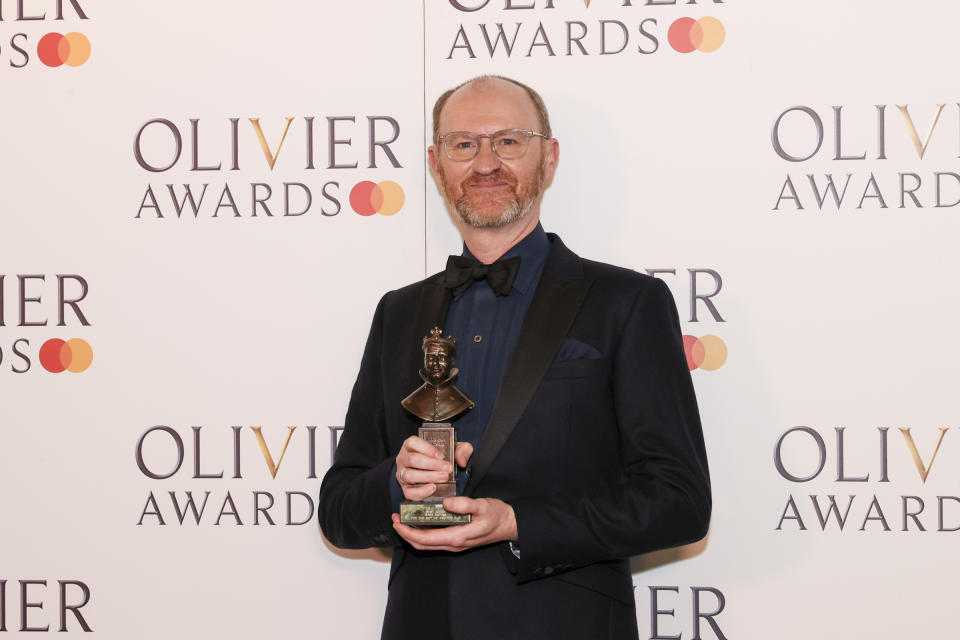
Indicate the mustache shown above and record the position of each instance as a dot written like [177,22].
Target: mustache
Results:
[500,175]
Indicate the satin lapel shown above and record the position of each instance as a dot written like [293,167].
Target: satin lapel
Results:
[431,312]
[554,306]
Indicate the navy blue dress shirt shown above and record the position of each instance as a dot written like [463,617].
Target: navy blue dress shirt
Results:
[486,327]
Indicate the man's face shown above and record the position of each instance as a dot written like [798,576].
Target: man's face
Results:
[489,191]
[437,363]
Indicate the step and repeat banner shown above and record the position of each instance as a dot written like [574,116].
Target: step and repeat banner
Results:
[202,203]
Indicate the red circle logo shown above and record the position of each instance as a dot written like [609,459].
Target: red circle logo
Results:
[55,49]
[71,355]
[385,198]
[706,35]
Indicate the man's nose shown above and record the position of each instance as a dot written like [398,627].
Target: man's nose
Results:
[486,161]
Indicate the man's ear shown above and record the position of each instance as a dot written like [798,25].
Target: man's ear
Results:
[432,159]
[552,157]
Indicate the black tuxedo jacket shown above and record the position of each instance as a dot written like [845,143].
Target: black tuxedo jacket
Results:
[595,440]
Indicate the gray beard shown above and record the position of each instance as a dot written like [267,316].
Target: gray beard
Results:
[512,213]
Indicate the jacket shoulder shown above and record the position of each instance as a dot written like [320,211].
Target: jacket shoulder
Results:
[410,294]
[623,283]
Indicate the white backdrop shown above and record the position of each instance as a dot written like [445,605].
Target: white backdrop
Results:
[210,325]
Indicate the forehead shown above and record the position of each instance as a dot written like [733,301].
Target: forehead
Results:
[487,106]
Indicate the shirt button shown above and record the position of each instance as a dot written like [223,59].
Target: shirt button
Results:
[477,338]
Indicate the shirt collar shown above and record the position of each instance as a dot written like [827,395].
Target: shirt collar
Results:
[533,250]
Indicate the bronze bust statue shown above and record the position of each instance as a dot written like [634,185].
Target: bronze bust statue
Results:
[437,399]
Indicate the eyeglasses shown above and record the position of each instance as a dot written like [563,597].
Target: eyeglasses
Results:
[508,144]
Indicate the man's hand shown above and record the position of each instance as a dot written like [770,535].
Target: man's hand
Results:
[420,465]
[493,521]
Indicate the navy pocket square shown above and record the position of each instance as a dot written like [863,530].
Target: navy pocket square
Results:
[575,350]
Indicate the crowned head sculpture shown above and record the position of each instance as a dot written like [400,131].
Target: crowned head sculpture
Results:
[439,355]
[437,399]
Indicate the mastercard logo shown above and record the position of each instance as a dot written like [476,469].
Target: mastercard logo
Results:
[706,35]
[385,198]
[707,353]
[55,49]
[72,355]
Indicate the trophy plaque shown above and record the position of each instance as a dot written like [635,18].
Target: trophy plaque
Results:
[436,401]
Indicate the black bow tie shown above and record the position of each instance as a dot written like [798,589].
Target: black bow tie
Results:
[463,271]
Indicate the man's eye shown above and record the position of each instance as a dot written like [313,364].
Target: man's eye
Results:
[464,144]
[506,142]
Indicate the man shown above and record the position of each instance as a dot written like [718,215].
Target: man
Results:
[584,447]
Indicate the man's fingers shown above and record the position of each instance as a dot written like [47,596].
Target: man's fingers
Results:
[451,538]
[416,444]
[417,476]
[462,453]
[461,504]
[409,534]
[420,461]
[419,492]
[485,527]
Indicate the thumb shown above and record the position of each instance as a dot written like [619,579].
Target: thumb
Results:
[462,453]
[460,504]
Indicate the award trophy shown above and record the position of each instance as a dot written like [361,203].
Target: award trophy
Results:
[436,401]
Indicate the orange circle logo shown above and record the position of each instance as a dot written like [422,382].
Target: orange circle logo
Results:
[706,35]
[385,198]
[55,49]
[708,353]
[72,355]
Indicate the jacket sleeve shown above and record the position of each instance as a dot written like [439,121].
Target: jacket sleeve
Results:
[663,496]
[354,506]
